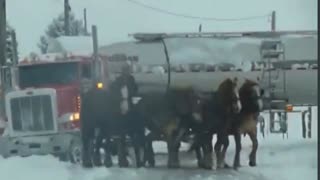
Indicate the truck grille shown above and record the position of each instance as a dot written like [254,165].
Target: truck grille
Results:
[32,113]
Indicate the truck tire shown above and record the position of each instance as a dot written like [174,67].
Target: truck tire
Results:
[75,151]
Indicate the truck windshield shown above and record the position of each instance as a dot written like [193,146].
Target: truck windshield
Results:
[47,74]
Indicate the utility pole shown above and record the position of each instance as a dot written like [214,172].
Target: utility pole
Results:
[95,52]
[66,17]
[14,48]
[273,21]
[3,32]
[3,40]
[85,20]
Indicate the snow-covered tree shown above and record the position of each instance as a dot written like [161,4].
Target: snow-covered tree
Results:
[43,44]
[56,29]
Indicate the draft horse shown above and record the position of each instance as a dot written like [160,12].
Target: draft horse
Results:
[219,111]
[106,113]
[252,104]
[168,117]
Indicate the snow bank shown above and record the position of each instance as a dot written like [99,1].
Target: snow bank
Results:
[34,168]
[294,158]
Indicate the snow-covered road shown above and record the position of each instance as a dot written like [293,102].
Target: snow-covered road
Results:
[294,158]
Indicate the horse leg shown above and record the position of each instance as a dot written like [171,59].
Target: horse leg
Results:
[224,151]
[237,139]
[137,131]
[173,157]
[217,150]
[122,158]
[173,148]
[221,140]
[138,143]
[199,155]
[87,150]
[196,145]
[252,156]
[107,149]
[207,152]
[149,153]
[97,146]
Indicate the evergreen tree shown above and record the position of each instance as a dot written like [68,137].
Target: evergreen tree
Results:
[56,29]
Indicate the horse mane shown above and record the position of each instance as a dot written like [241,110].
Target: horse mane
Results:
[181,88]
[227,85]
[247,84]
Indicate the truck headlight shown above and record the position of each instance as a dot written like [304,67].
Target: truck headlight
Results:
[74,117]
[99,85]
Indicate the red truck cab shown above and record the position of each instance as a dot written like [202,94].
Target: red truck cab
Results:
[65,75]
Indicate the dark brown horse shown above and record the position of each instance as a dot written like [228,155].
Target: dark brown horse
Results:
[219,112]
[107,113]
[168,117]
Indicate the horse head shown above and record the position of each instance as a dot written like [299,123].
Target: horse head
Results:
[229,94]
[251,96]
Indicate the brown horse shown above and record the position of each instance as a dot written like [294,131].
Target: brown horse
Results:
[219,112]
[168,117]
[252,104]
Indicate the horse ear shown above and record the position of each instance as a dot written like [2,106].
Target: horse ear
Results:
[262,92]
[235,80]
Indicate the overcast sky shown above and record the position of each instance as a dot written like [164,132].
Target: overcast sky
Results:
[116,18]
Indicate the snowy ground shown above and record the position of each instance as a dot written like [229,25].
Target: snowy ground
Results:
[294,158]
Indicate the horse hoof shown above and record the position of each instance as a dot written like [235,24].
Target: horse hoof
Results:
[152,164]
[140,164]
[236,166]
[108,164]
[87,165]
[174,165]
[220,166]
[86,162]
[124,163]
[206,165]
[97,162]
[252,164]
[226,166]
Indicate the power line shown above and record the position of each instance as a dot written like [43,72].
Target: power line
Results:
[196,17]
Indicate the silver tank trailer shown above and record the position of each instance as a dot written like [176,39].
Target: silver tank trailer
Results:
[150,69]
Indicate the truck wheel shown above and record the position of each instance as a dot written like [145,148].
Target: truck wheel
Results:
[63,157]
[75,152]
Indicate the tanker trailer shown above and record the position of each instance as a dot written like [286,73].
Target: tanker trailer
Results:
[203,60]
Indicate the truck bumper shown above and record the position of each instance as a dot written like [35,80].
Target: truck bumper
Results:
[37,145]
